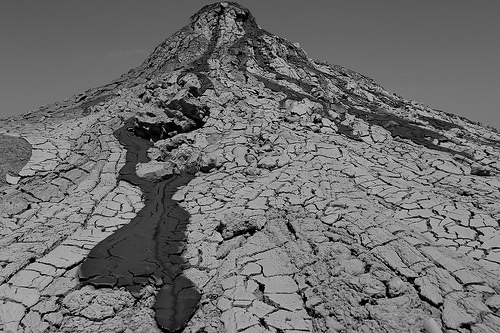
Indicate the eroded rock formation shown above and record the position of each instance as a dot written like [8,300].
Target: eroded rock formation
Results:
[232,184]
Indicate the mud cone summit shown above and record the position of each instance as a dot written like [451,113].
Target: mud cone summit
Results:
[232,184]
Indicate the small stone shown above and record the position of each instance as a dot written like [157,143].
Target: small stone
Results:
[429,290]
[431,326]
[251,269]
[223,304]
[313,301]
[331,219]
[55,318]
[353,266]
[153,171]
[290,302]
[33,322]
[13,180]
[397,287]
[260,309]
[333,325]
[493,302]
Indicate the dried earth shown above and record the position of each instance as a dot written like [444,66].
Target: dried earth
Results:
[317,201]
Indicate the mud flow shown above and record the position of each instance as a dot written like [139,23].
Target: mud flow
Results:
[148,249]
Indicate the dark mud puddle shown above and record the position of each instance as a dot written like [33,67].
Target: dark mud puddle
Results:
[149,248]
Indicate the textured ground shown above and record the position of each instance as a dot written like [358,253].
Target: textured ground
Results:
[321,202]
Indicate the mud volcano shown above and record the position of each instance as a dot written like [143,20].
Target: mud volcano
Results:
[148,249]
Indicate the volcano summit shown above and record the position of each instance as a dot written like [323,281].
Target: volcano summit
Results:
[232,184]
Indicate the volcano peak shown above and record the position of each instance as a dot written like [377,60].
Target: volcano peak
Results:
[226,21]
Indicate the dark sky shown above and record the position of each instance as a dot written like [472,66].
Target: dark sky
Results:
[443,53]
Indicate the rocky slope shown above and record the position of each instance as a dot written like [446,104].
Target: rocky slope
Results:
[232,184]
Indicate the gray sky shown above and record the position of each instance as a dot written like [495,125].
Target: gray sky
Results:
[443,53]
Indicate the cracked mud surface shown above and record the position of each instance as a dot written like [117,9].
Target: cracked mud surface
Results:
[320,201]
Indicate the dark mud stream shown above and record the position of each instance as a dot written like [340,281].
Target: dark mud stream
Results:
[148,249]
